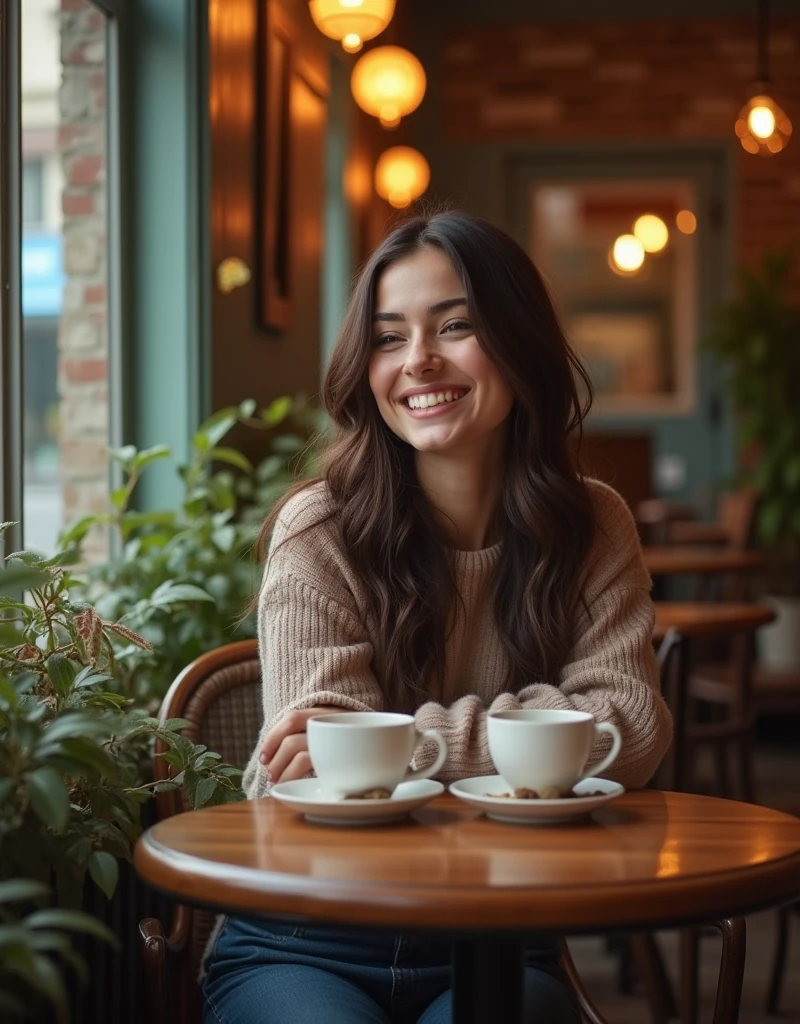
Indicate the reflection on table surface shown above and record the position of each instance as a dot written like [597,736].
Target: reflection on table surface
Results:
[643,836]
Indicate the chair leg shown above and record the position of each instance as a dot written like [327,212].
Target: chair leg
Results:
[689,942]
[746,769]
[589,1012]
[779,960]
[731,970]
[655,981]
[721,757]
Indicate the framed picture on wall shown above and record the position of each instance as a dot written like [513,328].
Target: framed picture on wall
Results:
[633,323]
[276,168]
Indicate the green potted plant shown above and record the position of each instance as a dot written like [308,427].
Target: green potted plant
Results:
[183,578]
[756,339]
[74,755]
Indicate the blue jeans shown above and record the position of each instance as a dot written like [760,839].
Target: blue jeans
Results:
[267,973]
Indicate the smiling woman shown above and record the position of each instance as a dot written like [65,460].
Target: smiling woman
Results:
[449,563]
[432,352]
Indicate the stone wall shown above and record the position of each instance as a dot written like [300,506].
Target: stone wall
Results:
[83,330]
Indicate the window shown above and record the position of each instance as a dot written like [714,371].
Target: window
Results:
[65,235]
[32,194]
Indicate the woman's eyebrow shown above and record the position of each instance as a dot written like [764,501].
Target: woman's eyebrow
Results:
[437,307]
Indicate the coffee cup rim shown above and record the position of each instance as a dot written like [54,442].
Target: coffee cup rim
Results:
[362,719]
[553,716]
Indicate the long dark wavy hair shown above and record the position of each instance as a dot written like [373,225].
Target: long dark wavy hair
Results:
[544,519]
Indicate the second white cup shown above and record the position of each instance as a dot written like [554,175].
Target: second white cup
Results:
[544,750]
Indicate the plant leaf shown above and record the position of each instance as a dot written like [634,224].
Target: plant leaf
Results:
[104,869]
[22,890]
[232,457]
[72,920]
[49,797]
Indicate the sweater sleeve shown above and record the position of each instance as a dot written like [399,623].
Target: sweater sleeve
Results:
[611,671]
[312,645]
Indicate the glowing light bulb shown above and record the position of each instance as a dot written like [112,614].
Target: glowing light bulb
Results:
[686,222]
[388,82]
[352,22]
[762,127]
[627,253]
[652,232]
[761,122]
[401,175]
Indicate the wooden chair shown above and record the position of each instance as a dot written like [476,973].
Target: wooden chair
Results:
[220,695]
[672,523]
[732,528]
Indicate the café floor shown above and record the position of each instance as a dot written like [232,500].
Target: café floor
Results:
[778,785]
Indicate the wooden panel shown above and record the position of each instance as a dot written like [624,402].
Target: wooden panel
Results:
[625,461]
[247,359]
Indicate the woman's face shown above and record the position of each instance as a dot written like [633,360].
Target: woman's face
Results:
[434,385]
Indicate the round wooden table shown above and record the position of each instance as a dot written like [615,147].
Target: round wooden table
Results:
[648,860]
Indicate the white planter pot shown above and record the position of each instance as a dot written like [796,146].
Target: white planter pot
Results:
[779,642]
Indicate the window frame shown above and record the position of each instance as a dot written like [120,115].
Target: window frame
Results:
[11,329]
[11,394]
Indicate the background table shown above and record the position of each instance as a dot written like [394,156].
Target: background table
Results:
[688,620]
[649,860]
[691,560]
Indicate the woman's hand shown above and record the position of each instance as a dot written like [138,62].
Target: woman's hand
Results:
[285,750]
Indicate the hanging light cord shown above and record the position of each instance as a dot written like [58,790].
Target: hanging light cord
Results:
[763,40]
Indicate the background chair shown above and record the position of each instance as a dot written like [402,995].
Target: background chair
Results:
[220,695]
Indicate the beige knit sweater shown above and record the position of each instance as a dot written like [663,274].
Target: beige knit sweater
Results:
[316,649]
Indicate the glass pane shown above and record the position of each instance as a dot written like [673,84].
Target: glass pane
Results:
[619,256]
[64,267]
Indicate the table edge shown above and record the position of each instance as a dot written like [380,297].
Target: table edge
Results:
[665,903]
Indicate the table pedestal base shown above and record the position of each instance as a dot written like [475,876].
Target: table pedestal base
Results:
[488,976]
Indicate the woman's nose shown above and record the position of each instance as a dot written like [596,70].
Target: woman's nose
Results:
[421,357]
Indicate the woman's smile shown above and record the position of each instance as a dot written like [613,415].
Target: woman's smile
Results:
[436,402]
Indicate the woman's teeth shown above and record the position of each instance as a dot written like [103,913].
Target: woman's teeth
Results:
[433,398]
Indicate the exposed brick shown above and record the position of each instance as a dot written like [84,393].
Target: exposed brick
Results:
[82,338]
[79,334]
[664,79]
[86,170]
[76,204]
[622,71]
[79,371]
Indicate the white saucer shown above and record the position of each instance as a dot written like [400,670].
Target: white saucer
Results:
[534,812]
[308,797]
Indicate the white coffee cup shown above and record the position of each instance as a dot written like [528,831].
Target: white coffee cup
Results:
[543,750]
[355,751]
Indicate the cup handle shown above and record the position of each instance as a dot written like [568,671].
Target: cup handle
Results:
[429,735]
[616,742]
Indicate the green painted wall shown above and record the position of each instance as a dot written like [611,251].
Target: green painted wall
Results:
[163,381]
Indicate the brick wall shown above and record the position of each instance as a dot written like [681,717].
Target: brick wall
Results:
[633,80]
[83,330]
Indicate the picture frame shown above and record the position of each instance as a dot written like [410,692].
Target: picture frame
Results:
[275,169]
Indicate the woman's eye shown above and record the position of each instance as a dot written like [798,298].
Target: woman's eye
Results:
[386,339]
[456,325]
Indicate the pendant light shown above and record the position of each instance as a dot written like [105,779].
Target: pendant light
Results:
[762,127]
[401,175]
[351,22]
[388,82]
